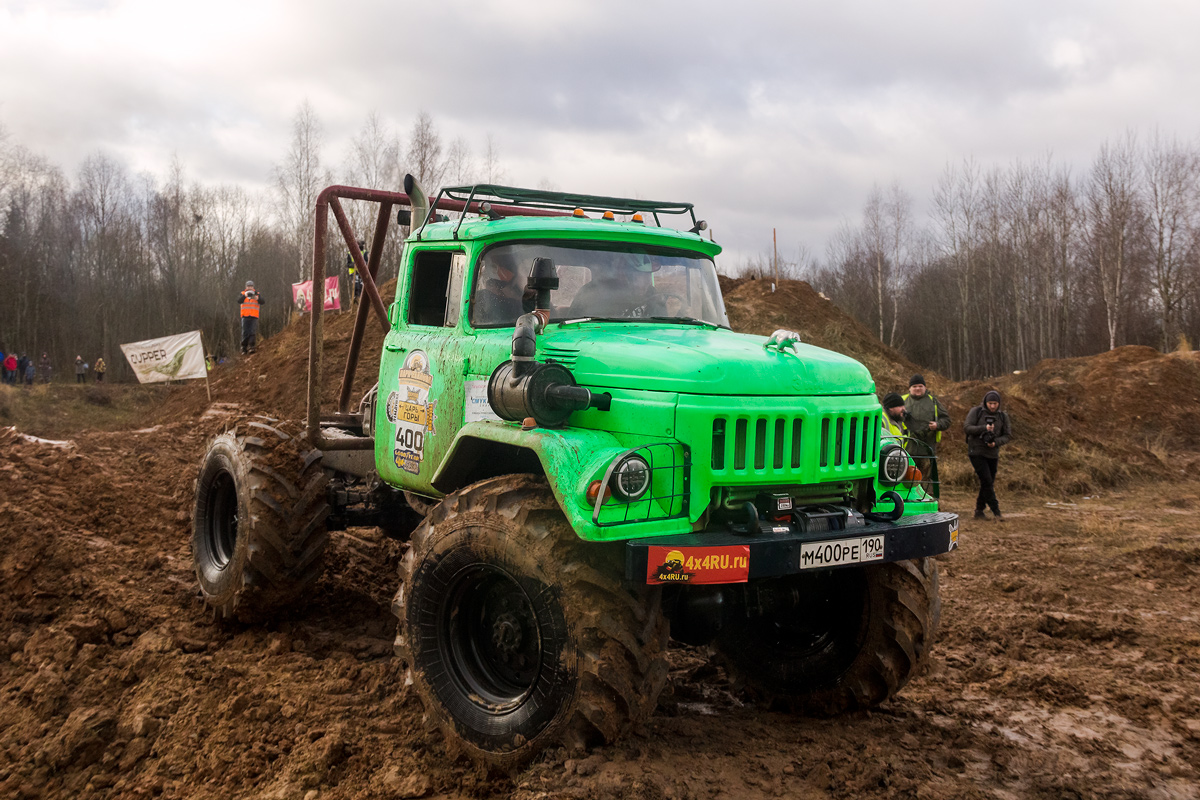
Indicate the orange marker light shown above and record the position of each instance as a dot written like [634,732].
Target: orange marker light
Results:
[636,218]
[593,491]
[578,212]
[608,215]
[913,474]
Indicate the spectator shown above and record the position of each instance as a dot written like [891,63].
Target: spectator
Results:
[80,370]
[10,369]
[926,421]
[45,368]
[895,416]
[29,372]
[250,301]
[987,430]
[101,368]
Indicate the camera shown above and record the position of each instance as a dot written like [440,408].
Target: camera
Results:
[988,437]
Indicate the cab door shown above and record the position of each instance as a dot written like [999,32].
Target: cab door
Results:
[420,406]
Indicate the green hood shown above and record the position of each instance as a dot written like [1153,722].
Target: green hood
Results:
[696,360]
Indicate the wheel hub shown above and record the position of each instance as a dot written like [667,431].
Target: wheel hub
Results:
[506,635]
[492,634]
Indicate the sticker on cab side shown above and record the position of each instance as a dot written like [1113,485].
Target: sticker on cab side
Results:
[694,565]
[411,409]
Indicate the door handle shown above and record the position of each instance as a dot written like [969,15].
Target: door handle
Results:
[396,348]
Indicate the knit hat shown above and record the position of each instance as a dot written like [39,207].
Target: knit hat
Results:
[990,396]
[891,400]
[915,379]
[250,284]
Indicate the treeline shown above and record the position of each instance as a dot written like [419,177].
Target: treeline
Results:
[1029,261]
[103,257]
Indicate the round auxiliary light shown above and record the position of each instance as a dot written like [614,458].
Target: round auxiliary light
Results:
[631,479]
[893,464]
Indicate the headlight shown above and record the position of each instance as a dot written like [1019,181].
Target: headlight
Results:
[893,463]
[631,479]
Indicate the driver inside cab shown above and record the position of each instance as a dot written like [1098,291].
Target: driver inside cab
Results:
[625,289]
[498,298]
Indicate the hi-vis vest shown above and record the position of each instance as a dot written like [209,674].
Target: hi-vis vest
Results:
[249,304]
[891,427]
[937,412]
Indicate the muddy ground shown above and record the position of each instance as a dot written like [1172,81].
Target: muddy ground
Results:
[1067,666]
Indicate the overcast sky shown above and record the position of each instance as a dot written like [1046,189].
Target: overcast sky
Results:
[769,114]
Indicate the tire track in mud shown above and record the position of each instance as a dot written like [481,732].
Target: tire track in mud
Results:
[1067,665]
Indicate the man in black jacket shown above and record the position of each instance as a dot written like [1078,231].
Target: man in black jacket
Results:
[987,430]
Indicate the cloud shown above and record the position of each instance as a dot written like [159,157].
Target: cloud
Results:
[772,115]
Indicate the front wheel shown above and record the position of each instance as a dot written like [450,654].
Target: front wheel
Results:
[517,634]
[852,638]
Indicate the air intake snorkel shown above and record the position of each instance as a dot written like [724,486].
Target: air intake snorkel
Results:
[522,388]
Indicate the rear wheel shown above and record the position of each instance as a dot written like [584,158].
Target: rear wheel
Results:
[849,639]
[258,532]
[517,634]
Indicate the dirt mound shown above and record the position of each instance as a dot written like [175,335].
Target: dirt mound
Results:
[1090,423]
[794,305]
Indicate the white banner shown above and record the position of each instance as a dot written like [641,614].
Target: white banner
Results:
[171,358]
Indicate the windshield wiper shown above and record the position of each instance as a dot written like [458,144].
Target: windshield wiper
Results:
[686,321]
[683,320]
[573,320]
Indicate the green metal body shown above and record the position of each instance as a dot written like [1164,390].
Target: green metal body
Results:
[734,417]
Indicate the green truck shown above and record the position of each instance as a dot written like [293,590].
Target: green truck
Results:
[585,462]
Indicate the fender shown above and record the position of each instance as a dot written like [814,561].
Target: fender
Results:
[570,458]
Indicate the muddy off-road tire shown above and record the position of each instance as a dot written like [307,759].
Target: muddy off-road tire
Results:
[860,637]
[517,634]
[258,532]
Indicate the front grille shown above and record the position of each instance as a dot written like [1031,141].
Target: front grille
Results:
[780,444]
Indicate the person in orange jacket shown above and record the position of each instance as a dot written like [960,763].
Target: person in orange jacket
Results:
[250,301]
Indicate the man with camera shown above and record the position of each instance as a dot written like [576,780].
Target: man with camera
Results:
[987,429]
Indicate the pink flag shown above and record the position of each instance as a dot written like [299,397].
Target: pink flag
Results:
[302,295]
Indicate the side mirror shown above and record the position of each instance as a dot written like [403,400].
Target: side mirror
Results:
[404,217]
[543,279]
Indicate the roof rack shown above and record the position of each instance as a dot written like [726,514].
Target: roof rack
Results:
[539,202]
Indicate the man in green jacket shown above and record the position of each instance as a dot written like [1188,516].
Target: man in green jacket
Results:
[927,420]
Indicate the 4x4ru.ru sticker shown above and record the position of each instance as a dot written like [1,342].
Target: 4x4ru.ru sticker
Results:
[722,564]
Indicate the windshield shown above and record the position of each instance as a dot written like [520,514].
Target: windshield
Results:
[612,280]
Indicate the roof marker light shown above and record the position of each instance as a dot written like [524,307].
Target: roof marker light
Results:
[636,218]
[608,215]
[578,213]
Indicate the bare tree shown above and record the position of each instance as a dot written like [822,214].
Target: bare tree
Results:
[493,172]
[299,179]
[375,155]
[1171,183]
[425,153]
[875,239]
[1112,208]
[460,167]
[898,214]
[956,200]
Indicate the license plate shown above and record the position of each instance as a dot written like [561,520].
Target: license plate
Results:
[693,565]
[818,555]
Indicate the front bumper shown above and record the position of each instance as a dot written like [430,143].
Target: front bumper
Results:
[724,556]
